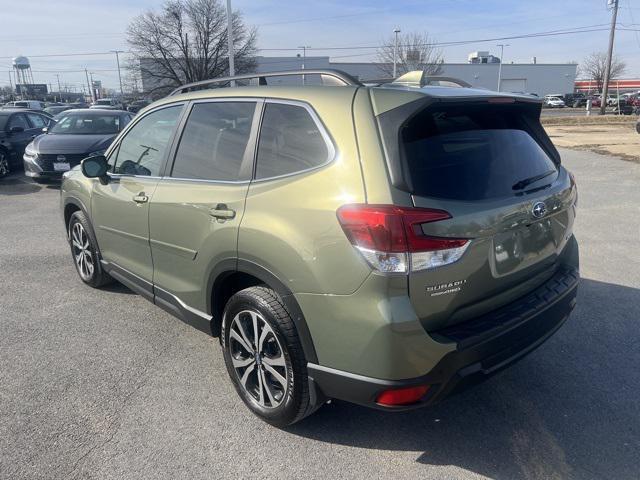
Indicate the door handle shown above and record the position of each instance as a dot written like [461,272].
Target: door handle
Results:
[141,198]
[222,212]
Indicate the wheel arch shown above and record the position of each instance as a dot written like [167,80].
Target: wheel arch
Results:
[72,205]
[232,275]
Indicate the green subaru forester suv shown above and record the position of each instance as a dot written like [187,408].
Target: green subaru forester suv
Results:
[385,245]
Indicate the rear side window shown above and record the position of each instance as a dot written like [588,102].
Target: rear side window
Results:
[18,120]
[214,141]
[473,152]
[290,141]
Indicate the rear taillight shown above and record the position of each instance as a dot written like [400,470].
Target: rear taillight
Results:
[390,238]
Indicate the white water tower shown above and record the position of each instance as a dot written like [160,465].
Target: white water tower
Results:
[22,71]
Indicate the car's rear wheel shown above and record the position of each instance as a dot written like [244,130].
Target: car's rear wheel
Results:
[264,356]
[4,163]
[84,251]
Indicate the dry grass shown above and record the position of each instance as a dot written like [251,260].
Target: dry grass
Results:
[590,120]
[619,139]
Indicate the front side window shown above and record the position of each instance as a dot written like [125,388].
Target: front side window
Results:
[36,120]
[214,141]
[142,150]
[290,141]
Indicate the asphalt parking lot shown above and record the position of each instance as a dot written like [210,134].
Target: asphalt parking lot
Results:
[101,384]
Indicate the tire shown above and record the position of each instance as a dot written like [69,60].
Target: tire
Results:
[259,312]
[85,253]
[4,163]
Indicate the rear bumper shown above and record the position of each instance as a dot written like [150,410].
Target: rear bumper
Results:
[484,346]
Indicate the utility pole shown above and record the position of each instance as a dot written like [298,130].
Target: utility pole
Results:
[607,72]
[90,90]
[232,67]
[395,53]
[501,45]
[304,59]
[59,89]
[119,75]
[94,93]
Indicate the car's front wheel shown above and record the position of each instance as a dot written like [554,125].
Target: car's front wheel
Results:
[264,356]
[4,163]
[84,251]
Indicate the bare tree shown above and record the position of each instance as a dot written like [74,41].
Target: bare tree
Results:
[132,79]
[186,41]
[415,52]
[595,65]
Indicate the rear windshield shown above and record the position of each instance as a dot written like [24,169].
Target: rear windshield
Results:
[473,152]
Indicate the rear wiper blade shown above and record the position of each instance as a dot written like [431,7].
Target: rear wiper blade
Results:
[528,181]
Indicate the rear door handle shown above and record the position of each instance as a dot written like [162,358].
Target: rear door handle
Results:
[141,198]
[222,212]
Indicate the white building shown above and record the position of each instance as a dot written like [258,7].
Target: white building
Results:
[538,78]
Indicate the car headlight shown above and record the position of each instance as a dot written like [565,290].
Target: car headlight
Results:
[97,152]
[30,151]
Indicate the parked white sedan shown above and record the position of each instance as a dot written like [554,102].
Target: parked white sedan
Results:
[553,102]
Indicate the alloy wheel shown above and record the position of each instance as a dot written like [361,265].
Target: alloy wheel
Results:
[258,359]
[82,251]
[4,164]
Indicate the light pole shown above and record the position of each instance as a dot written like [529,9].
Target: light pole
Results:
[501,45]
[304,58]
[607,72]
[232,67]
[395,53]
[119,75]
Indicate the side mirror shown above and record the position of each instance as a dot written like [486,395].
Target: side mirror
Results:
[45,130]
[16,129]
[95,167]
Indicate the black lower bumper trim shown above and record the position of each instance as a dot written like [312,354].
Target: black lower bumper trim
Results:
[476,357]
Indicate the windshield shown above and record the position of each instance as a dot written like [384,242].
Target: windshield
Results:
[85,124]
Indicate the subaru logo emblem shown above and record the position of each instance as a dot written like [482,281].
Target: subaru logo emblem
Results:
[539,210]
[61,158]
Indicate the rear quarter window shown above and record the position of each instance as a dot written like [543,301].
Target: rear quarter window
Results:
[290,141]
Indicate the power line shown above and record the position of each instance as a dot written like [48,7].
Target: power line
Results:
[632,22]
[549,33]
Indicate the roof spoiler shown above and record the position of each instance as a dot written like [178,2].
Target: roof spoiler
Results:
[419,78]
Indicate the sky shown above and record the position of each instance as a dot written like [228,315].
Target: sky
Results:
[34,28]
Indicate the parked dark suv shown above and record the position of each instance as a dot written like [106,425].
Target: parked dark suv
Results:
[17,129]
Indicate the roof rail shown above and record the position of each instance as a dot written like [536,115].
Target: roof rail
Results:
[338,76]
